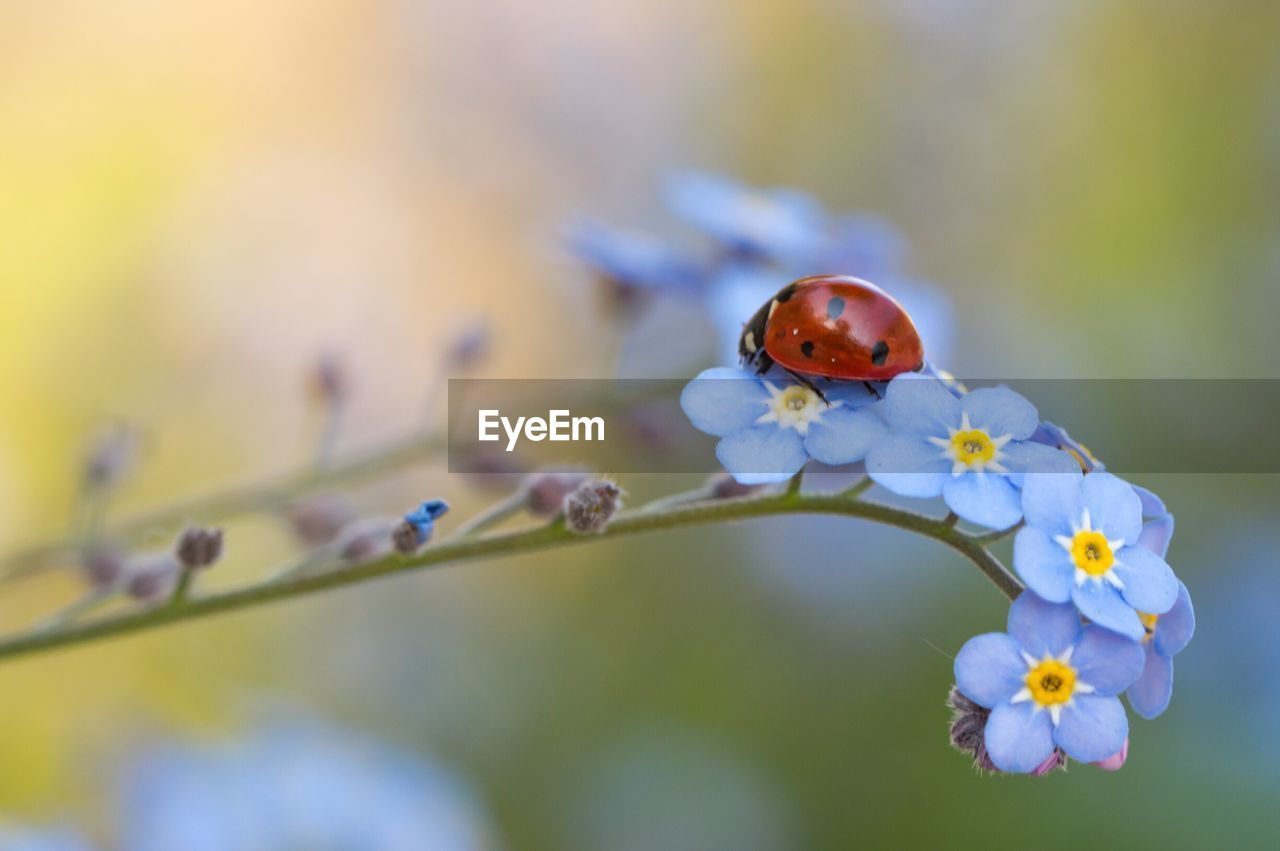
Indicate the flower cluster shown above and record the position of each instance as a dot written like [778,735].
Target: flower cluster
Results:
[759,240]
[1102,613]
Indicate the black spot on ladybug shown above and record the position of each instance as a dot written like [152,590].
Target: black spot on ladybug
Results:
[879,352]
[835,307]
[786,293]
[806,348]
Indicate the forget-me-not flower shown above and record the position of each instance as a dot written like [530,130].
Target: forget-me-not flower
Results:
[972,451]
[634,261]
[1049,682]
[1080,544]
[1166,634]
[769,427]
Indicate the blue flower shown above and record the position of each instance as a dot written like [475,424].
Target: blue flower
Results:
[972,451]
[770,427]
[423,518]
[1049,682]
[290,786]
[1166,634]
[779,224]
[1081,544]
[634,261]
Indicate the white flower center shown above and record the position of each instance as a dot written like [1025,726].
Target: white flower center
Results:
[1093,553]
[969,448]
[795,407]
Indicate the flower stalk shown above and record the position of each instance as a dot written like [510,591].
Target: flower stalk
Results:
[543,537]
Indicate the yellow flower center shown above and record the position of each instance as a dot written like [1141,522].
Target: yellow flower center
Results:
[1149,624]
[1091,552]
[972,446]
[1051,682]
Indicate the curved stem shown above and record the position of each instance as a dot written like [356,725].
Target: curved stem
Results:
[523,541]
[236,501]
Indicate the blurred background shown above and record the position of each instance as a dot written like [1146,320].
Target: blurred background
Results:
[199,200]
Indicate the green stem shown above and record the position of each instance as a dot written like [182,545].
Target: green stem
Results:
[858,489]
[235,502]
[522,541]
[494,514]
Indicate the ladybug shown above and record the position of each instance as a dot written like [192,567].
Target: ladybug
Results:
[835,327]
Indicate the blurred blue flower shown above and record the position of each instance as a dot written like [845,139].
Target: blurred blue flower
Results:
[781,225]
[14,838]
[1049,682]
[1081,544]
[737,293]
[634,261]
[865,246]
[291,787]
[423,518]
[972,451]
[769,427]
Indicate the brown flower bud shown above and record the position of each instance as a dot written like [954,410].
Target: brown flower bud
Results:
[198,548]
[545,490]
[589,509]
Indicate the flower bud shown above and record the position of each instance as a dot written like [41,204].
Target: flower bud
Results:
[152,576]
[329,382]
[470,348]
[417,526]
[198,548]
[545,491]
[366,540]
[103,565]
[591,506]
[110,458]
[1116,761]
[319,519]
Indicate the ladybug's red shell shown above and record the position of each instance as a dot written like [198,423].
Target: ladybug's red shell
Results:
[834,326]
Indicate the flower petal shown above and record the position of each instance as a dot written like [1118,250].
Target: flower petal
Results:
[1156,534]
[1018,738]
[1051,501]
[722,400]
[908,466]
[999,411]
[1149,583]
[1041,627]
[1150,695]
[1175,627]
[844,435]
[920,406]
[1102,604]
[1152,505]
[1092,727]
[988,499]
[1107,660]
[1023,457]
[1043,565]
[1114,508]
[762,454]
[990,669]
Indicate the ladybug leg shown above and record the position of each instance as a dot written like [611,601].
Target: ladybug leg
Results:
[871,388]
[764,363]
[808,382]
